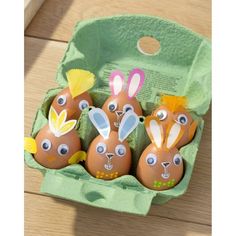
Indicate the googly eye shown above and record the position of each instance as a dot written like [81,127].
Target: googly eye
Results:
[151,159]
[112,106]
[182,119]
[162,114]
[46,144]
[177,159]
[61,101]
[127,107]
[83,104]
[120,150]
[101,148]
[63,149]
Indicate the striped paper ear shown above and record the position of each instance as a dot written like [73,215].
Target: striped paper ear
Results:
[173,135]
[135,82]
[101,122]
[154,130]
[116,82]
[128,123]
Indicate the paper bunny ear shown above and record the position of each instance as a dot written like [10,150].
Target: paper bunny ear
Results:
[101,122]
[128,123]
[154,130]
[135,82]
[79,81]
[173,135]
[116,82]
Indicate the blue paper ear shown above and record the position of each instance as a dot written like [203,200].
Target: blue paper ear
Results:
[128,123]
[101,122]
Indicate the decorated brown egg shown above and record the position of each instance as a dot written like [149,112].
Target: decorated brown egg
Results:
[160,166]
[57,144]
[109,154]
[173,108]
[123,100]
[75,98]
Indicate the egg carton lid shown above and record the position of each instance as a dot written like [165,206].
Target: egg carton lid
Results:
[181,67]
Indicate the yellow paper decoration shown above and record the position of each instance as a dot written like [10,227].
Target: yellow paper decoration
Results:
[58,124]
[77,157]
[79,81]
[30,145]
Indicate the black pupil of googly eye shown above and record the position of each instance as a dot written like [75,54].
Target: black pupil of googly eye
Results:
[100,149]
[182,120]
[60,101]
[112,107]
[128,108]
[177,161]
[121,151]
[160,115]
[150,160]
[63,151]
[45,146]
[84,105]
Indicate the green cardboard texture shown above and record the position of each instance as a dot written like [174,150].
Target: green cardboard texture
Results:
[181,67]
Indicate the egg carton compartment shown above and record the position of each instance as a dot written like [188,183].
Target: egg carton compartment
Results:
[181,67]
[75,183]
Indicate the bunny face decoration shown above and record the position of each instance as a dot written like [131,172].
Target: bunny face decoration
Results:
[160,166]
[173,108]
[123,100]
[109,154]
[75,98]
[57,144]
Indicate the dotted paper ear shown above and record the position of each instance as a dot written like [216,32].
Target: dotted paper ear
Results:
[135,82]
[116,82]
[154,130]
[101,122]
[128,123]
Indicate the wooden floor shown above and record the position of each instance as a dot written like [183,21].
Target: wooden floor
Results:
[45,43]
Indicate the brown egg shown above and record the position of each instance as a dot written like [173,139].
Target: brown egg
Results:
[160,169]
[181,116]
[108,158]
[74,106]
[116,106]
[54,152]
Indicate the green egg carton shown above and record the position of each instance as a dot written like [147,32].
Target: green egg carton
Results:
[181,67]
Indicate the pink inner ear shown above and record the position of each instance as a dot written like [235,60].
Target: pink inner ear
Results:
[116,82]
[135,82]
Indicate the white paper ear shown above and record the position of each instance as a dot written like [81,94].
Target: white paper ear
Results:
[156,133]
[135,82]
[174,135]
[101,122]
[116,82]
[128,123]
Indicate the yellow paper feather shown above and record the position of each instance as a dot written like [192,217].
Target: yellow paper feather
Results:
[53,117]
[67,127]
[61,119]
[174,103]
[79,81]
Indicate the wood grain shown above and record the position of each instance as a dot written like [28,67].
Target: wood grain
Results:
[193,206]
[56,20]
[47,216]
[30,9]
